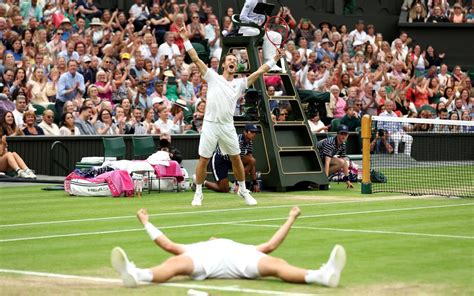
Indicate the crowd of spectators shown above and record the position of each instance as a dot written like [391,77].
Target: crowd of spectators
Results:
[70,68]
[439,11]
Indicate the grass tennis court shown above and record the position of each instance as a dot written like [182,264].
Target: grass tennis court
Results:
[441,179]
[396,245]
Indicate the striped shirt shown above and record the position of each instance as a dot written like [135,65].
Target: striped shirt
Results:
[246,147]
[328,147]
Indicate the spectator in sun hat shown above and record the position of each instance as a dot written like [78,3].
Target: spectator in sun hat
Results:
[96,27]
[357,46]
[66,26]
[324,50]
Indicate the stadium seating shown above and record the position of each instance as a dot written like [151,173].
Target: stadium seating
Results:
[143,146]
[114,147]
[335,124]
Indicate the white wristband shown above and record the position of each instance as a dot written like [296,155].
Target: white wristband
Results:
[187,45]
[271,63]
[152,231]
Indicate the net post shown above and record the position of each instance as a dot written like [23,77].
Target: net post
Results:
[366,134]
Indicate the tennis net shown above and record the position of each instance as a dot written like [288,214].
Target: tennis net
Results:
[422,156]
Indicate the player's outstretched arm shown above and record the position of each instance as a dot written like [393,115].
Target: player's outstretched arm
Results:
[183,32]
[281,234]
[157,236]
[265,67]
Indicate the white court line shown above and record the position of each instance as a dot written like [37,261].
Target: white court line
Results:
[232,222]
[174,285]
[188,212]
[361,231]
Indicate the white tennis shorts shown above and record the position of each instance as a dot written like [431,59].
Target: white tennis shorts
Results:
[224,259]
[214,133]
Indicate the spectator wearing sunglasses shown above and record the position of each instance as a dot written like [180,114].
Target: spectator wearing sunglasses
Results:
[47,124]
[283,115]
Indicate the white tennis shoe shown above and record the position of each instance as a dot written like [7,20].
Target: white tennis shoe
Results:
[124,267]
[197,200]
[331,270]
[245,194]
[30,174]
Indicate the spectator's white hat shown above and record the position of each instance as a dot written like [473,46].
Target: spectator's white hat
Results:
[157,100]
[106,47]
[65,21]
[325,40]
[357,43]
[86,59]
[181,103]
[95,22]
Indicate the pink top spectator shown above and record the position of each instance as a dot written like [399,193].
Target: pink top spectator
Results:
[340,105]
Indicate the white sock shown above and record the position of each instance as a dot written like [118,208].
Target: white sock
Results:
[198,188]
[313,277]
[241,185]
[144,275]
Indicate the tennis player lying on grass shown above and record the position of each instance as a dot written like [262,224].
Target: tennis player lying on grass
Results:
[226,259]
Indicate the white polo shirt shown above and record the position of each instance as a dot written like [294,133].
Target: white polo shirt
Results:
[222,97]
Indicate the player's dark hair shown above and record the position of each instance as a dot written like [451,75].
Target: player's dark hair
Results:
[228,54]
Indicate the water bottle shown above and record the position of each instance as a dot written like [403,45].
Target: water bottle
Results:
[137,184]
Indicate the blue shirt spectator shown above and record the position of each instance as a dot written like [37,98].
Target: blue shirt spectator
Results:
[69,53]
[70,84]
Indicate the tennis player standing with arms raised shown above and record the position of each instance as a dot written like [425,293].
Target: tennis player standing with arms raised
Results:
[218,126]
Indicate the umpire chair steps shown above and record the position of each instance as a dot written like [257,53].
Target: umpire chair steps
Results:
[285,151]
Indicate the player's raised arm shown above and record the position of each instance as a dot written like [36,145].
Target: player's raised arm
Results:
[157,236]
[281,233]
[265,67]
[183,32]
